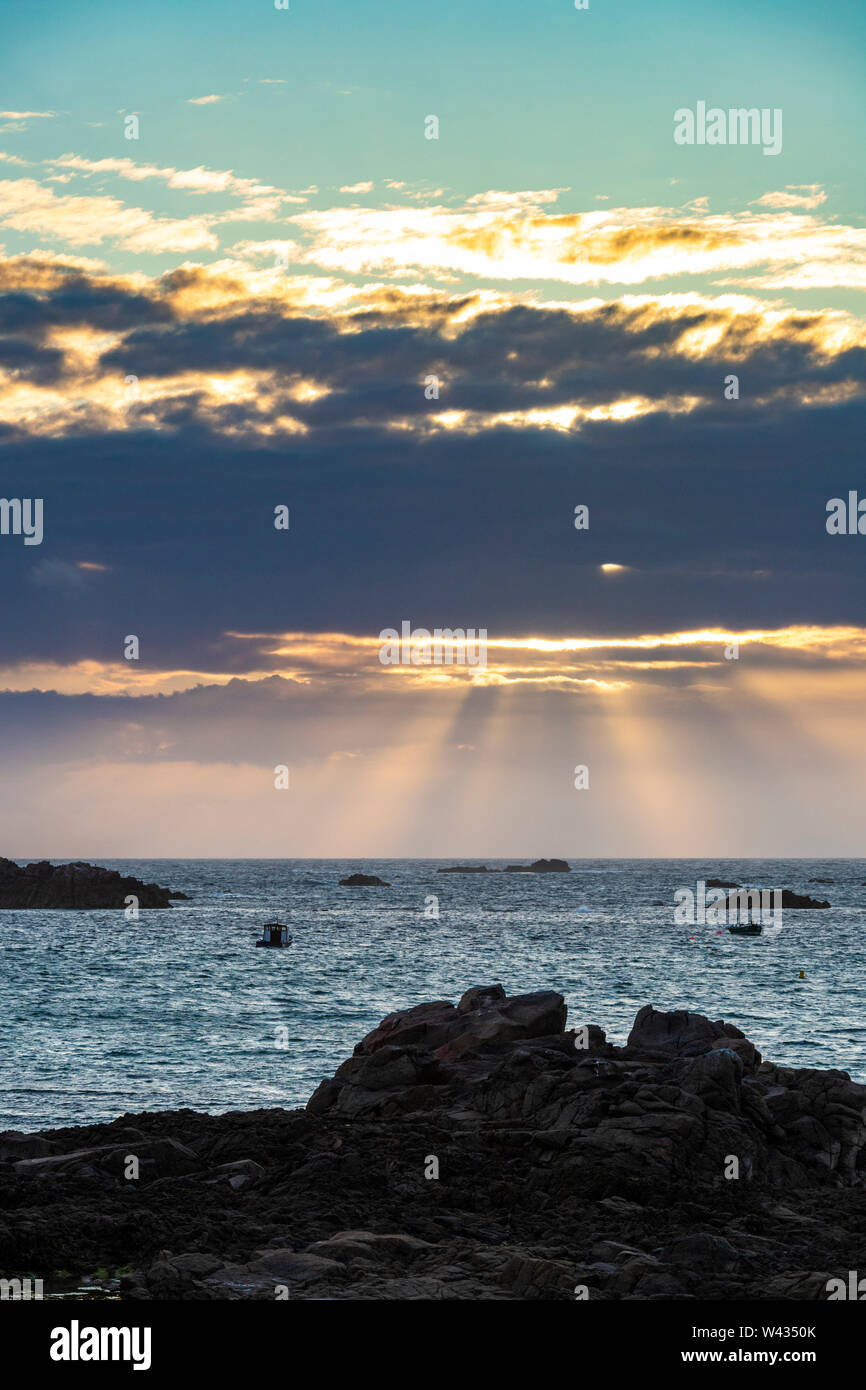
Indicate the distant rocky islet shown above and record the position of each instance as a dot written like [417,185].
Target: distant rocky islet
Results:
[84,886]
[46,886]
[541,866]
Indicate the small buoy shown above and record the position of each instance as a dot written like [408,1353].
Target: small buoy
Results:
[802,974]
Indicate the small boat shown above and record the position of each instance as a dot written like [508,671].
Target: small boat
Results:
[751,929]
[275,934]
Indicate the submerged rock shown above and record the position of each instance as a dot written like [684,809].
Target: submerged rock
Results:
[85,886]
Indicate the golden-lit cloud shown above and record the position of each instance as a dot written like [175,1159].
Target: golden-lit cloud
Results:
[650,342]
[563,418]
[606,665]
[783,240]
[522,241]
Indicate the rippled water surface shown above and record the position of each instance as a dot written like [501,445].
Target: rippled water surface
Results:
[101,1016]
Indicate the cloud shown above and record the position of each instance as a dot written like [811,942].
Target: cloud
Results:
[497,235]
[296,664]
[263,199]
[795,195]
[27,206]
[14,121]
[518,239]
[57,574]
[163,418]
[384,769]
[500,200]
[258,352]
[205,101]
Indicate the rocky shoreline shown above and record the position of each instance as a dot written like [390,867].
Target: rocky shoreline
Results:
[471,1151]
[83,886]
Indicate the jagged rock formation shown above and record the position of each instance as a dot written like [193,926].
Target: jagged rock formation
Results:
[476,1151]
[44,885]
[789,899]
[801,900]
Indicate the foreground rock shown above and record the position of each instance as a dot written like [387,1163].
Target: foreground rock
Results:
[84,886]
[363,881]
[472,1151]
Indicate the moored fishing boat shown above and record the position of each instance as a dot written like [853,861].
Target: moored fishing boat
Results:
[274,934]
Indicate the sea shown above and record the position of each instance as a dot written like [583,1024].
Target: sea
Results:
[103,1017]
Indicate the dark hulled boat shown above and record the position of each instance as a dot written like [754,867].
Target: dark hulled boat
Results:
[274,934]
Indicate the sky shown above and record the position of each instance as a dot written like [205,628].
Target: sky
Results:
[423,281]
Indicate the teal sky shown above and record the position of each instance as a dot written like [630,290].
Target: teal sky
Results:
[528,97]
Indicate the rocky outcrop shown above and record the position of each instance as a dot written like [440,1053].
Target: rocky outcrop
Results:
[541,866]
[83,886]
[467,869]
[478,1150]
[788,899]
[801,900]
[420,1046]
[681,1095]
[363,881]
